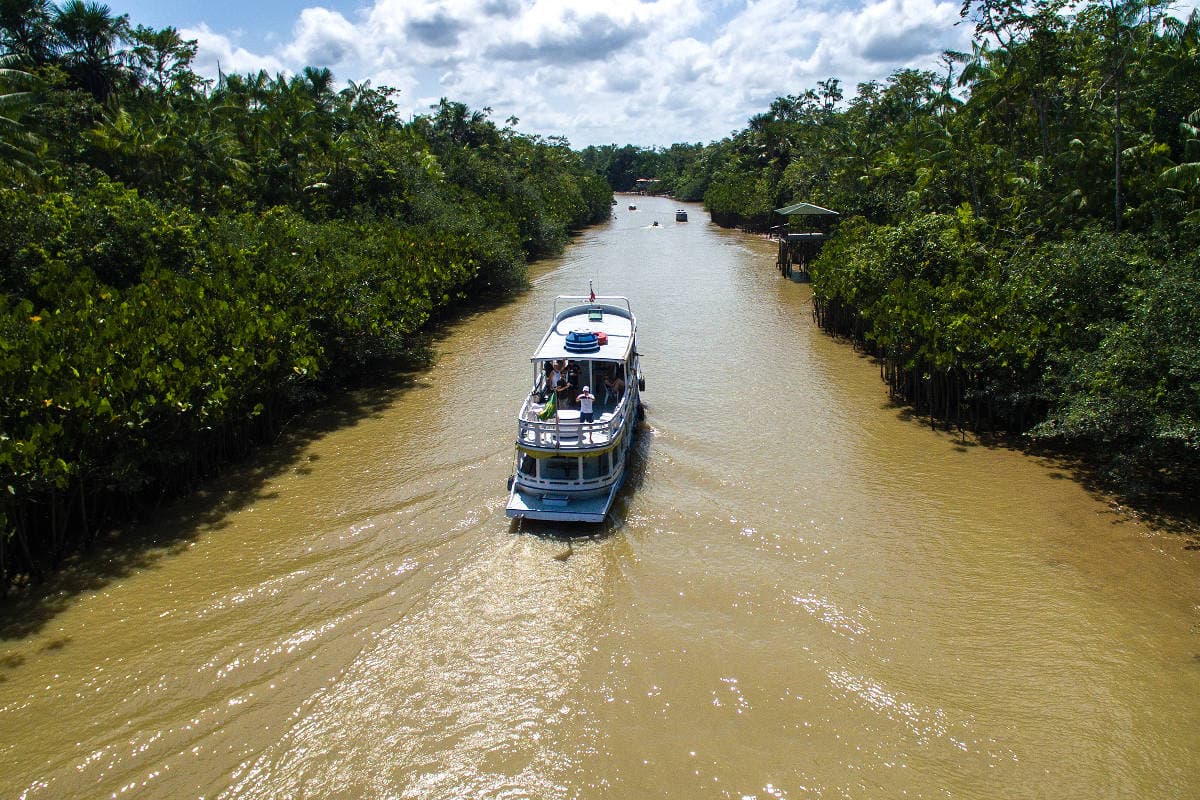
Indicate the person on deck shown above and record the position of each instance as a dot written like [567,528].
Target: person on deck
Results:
[564,393]
[585,400]
[550,380]
[614,387]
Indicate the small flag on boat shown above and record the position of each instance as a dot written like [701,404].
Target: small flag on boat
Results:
[591,293]
[551,407]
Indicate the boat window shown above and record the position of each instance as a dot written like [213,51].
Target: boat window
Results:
[595,467]
[528,465]
[560,469]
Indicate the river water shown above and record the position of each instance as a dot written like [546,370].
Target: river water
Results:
[802,593]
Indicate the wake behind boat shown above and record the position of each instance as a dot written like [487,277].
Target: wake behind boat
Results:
[576,426]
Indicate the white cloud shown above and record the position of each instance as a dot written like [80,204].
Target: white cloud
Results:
[647,72]
[323,38]
[216,51]
[902,32]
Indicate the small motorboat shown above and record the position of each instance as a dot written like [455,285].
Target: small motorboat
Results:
[570,463]
[680,215]
[632,207]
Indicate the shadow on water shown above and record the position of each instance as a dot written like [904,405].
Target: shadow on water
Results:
[162,532]
[1173,514]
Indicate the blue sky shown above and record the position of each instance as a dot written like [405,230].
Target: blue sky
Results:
[643,72]
[269,20]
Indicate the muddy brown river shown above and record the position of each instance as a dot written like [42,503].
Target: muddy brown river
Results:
[802,593]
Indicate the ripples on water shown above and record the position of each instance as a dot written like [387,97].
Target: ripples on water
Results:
[800,594]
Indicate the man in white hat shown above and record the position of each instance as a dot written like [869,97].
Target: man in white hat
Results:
[585,399]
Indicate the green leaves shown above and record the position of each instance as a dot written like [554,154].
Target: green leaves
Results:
[1137,390]
[164,332]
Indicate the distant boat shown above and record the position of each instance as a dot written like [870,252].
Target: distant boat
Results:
[681,216]
[632,207]
[654,224]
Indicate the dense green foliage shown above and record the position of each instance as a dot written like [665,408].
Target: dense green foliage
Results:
[182,264]
[681,170]
[1020,235]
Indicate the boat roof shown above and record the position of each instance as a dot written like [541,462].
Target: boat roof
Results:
[603,315]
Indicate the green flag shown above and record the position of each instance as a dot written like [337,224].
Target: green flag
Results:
[551,407]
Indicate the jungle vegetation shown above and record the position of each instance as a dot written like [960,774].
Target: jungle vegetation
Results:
[1019,240]
[681,170]
[184,263]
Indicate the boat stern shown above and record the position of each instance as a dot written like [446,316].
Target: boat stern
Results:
[558,506]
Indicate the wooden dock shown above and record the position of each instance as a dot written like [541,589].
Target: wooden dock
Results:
[796,252]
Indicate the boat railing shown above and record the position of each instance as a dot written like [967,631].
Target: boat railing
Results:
[569,434]
[598,300]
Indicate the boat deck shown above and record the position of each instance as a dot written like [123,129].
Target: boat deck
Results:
[566,432]
[560,507]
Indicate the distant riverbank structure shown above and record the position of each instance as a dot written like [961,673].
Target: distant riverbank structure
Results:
[801,237]
[645,185]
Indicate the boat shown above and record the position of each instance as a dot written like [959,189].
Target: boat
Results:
[680,215]
[568,469]
[632,207]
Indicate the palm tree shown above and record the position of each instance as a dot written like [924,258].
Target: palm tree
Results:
[26,31]
[89,35]
[1185,176]
[19,149]
[160,57]
[318,81]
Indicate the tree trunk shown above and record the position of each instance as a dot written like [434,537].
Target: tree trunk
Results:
[1117,163]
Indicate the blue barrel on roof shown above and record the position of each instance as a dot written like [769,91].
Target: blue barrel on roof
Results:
[582,342]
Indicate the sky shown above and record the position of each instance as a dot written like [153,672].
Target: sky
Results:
[644,72]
